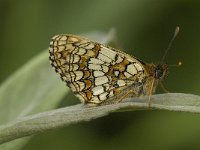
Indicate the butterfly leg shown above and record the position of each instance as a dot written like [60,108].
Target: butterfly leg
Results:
[126,95]
[150,92]
[120,97]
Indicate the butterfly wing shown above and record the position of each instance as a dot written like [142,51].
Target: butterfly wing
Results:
[94,72]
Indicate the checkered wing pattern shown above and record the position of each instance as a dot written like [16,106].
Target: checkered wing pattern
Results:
[94,72]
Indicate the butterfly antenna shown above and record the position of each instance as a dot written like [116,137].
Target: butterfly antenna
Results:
[179,63]
[170,43]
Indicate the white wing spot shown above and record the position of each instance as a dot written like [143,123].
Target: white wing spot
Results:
[119,59]
[90,46]
[73,39]
[61,43]
[79,75]
[61,48]
[94,67]
[105,68]
[98,73]
[101,80]
[76,58]
[81,51]
[128,75]
[111,93]
[97,90]
[95,61]
[116,73]
[121,83]
[131,69]
[63,38]
[139,68]
[104,58]
[108,52]
[103,96]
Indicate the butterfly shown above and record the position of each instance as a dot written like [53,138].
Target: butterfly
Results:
[99,74]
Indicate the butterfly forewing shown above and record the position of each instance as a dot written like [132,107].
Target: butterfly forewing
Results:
[95,73]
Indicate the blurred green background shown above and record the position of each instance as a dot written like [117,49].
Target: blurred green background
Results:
[144,28]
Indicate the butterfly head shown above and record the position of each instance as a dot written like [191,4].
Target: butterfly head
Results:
[161,71]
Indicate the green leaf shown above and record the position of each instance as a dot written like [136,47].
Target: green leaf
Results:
[34,88]
[73,114]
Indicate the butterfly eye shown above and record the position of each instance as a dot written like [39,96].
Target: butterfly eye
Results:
[161,71]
